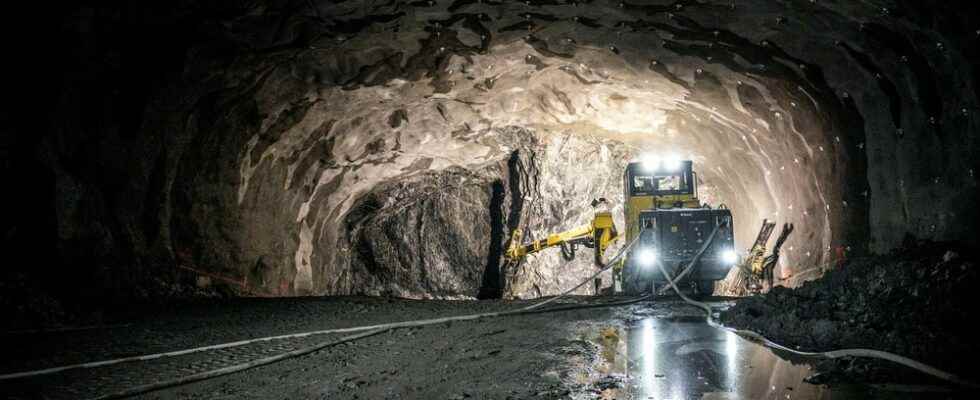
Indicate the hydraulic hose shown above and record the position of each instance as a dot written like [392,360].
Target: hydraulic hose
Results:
[865,353]
[200,376]
[385,326]
[133,391]
[697,256]
[371,330]
[374,330]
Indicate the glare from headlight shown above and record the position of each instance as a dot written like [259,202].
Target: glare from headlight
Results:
[672,163]
[729,256]
[650,162]
[646,257]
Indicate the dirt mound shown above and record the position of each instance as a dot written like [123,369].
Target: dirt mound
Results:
[917,302]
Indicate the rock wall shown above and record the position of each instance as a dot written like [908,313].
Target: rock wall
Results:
[569,171]
[423,236]
[265,145]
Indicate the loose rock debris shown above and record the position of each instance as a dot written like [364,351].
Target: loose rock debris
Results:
[917,301]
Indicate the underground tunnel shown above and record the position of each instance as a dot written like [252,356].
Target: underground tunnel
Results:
[196,182]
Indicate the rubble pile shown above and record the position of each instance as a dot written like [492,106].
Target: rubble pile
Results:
[916,301]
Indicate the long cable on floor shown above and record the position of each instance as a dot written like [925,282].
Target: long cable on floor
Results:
[531,309]
[214,373]
[865,353]
[404,324]
[320,346]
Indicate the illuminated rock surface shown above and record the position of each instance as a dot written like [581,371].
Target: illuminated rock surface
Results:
[390,147]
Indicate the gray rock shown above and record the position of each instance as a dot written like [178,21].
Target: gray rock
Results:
[251,142]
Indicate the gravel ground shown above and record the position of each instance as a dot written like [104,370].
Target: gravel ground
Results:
[541,356]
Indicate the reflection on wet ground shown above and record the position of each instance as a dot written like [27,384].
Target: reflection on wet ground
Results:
[663,355]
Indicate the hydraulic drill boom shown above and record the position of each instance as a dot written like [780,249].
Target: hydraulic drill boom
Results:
[598,234]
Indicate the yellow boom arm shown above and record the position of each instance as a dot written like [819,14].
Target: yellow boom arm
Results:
[598,234]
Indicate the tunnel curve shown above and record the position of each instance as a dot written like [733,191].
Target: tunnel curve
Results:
[390,148]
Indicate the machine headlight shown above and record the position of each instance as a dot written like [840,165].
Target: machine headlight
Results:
[729,256]
[650,162]
[646,257]
[672,163]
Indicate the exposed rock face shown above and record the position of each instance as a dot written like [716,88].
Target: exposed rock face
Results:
[422,236]
[569,171]
[294,147]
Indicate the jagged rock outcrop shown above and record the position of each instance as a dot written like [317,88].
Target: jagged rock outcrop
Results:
[425,236]
[569,172]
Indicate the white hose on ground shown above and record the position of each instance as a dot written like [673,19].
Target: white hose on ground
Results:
[214,373]
[385,326]
[697,256]
[866,353]
[376,329]
[532,309]
[200,376]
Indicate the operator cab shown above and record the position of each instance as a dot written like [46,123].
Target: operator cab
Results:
[668,184]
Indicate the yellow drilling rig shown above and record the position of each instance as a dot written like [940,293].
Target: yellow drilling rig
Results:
[668,223]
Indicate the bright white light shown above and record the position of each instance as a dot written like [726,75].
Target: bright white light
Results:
[646,257]
[650,162]
[729,256]
[672,162]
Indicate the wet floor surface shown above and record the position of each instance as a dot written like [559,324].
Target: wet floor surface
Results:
[668,351]
[654,350]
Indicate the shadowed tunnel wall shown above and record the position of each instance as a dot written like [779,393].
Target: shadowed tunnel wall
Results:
[294,147]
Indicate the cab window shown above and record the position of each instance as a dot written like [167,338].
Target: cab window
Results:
[643,183]
[659,184]
[672,183]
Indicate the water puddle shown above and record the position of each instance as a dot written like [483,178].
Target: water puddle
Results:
[684,358]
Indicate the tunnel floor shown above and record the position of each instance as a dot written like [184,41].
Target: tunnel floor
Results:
[660,350]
